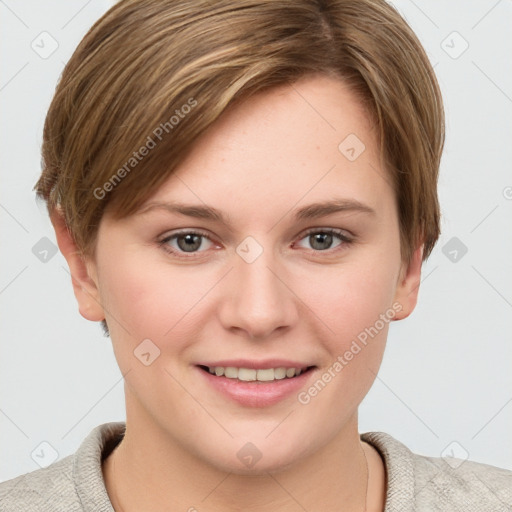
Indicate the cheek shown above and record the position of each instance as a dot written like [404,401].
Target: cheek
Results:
[154,300]
[350,297]
[355,308]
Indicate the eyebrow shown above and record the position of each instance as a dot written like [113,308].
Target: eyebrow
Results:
[311,211]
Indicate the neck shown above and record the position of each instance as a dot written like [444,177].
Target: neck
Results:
[149,471]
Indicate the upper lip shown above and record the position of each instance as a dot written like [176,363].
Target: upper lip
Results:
[246,363]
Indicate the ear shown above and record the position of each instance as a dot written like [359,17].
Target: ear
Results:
[408,284]
[85,288]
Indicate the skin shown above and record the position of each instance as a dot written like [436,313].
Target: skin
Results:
[265,158]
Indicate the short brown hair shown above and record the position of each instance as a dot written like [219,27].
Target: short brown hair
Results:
[146,62]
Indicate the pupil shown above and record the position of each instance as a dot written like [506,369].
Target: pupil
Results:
[322,237]
[192,242]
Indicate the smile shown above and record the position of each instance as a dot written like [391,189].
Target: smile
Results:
[254,374]
[252,383]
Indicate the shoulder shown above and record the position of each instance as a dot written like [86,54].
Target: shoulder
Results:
[71,484]
[435,484]
[45,489]
[459,482]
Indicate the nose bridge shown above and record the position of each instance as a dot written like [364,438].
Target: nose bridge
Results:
[260,302]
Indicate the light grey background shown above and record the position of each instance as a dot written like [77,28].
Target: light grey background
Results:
[446,375]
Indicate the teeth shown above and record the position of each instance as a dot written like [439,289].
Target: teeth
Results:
[280,373]
[251,374]
[230,372]
[265,375]
[244,374]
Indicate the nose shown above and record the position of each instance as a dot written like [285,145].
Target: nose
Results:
[258,300]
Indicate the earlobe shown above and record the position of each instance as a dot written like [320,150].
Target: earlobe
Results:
[85,288]
[408,285]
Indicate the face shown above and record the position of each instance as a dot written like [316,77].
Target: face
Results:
[276,284]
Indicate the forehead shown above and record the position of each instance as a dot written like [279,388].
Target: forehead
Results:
[291,145]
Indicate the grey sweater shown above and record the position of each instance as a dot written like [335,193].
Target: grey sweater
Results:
[414,482]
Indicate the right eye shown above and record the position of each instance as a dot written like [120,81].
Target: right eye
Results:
[184,242]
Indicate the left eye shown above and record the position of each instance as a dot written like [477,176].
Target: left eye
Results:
[321,240]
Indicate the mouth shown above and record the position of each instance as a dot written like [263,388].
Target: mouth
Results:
[256,375]
[255,383]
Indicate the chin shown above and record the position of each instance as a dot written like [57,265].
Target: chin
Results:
[242,457]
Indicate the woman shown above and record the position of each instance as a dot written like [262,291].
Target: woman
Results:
[245,193]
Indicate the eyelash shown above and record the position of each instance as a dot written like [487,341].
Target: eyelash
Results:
[347,241]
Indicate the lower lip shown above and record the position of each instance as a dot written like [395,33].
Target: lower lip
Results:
[255,393]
